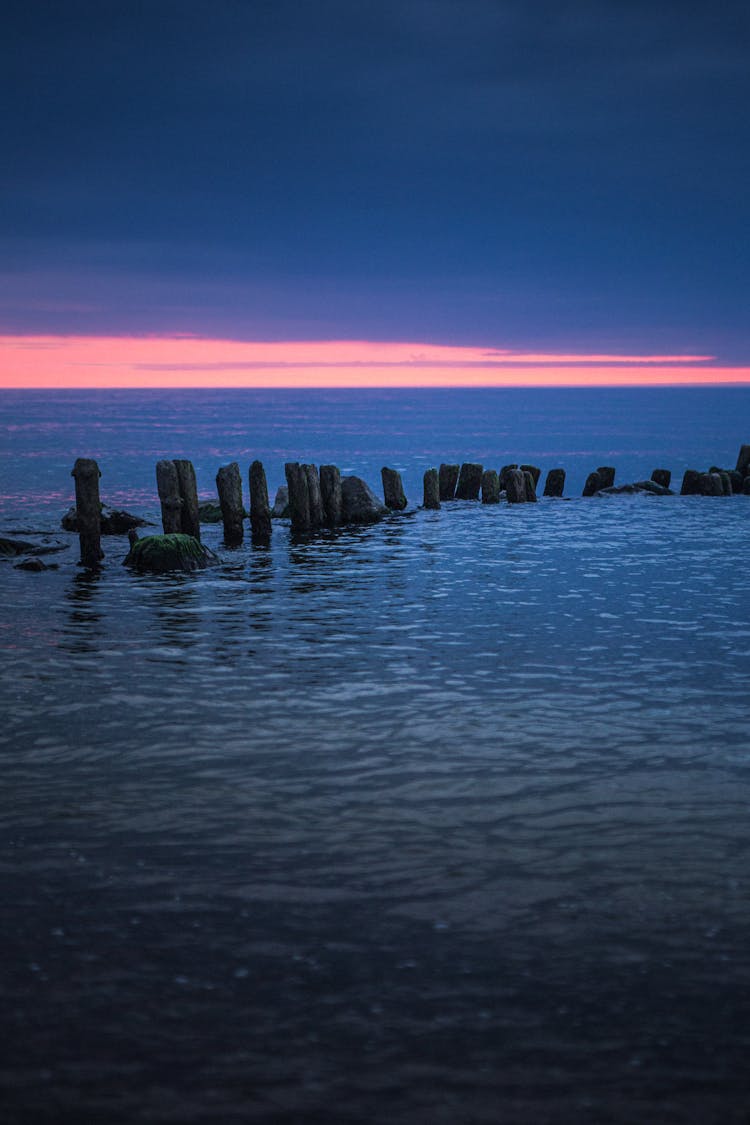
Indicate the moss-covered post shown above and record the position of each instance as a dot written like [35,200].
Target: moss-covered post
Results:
[299,497]
[86,474]
[191,524]
[260,511]
[393,490]
[431,490]
[330,490]
[229,487]
[169,496]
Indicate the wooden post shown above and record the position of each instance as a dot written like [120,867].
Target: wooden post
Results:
[299,497]
[469,481]
[530,486]
[447,480]
[431,485]
[229,487]
[606,476]
[593,484]
[490,487]
[317,515]
[504,473]
[662,477]
[535,472]
[260,510]
[743,461]
[86,474]
[330,490]
[555,483]
[690,483]
[191,524]
[169,496]
[393,490]
[515,487]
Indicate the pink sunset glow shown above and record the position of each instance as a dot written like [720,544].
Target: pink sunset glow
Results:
[186,361]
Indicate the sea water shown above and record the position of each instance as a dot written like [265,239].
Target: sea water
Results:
[443,820]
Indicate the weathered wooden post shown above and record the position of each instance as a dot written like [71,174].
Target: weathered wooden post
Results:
[299,497]
[606,476]
[169,496]
[469,481]
[330,490]
[690,483]
[191,524]
[447,479]
[317,516]
[535,472]
[529,485]
[515,487]
[710,484]
[555,482]
[431,489]
[260,511]
[86,474]
[229,487]
[662,477]
[503,474]
[490,487]
[393,490]
[743,461]
[593,483]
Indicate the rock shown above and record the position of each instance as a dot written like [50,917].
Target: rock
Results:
[359,502]
[690,483]
[490,487]
[431,489]
[34,565]
[648,486]
[209,511]
[535,472]
[447,479]
[112,521]
[515,487]
[606,476]
[14,547]
[743,461]
[330,490]
[662,477]
[280,510]
[160,554]
[469,481]
[393,490]
[593,484]
[555,483]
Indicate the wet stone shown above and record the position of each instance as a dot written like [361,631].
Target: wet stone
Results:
[280,508]
[160,554]
[359,502]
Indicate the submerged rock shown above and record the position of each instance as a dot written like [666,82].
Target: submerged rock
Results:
[650,487]
[209,511]
[11,548]
[34,565]
[159,554]
[359,502]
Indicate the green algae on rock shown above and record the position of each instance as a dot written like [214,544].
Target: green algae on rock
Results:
[159,554]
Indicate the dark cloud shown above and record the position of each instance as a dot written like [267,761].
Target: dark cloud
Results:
[464,168]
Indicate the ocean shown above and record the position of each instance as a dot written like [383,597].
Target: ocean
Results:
[443,820]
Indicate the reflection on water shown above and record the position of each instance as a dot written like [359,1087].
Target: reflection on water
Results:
[443,820]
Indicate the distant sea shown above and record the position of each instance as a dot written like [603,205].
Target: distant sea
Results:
[443,820]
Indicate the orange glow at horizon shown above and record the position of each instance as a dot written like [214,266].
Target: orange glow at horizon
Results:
[44,362]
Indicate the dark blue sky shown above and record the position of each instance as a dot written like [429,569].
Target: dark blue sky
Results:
[539,175]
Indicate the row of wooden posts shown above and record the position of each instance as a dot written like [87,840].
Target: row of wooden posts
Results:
[316,498]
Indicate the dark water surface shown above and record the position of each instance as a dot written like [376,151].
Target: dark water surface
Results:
[440,821]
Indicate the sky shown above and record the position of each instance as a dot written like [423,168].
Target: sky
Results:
[492,178]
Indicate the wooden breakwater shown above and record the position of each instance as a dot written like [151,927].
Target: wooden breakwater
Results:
[313,498]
